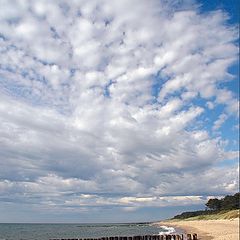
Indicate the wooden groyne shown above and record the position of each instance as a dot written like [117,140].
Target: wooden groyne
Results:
[146,237]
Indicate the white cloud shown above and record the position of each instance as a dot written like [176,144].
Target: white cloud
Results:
[218,123]
[78,115]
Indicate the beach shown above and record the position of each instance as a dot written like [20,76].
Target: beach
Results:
[208,229]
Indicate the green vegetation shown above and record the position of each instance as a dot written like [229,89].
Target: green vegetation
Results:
[217,216]
[227,203]
[224,208]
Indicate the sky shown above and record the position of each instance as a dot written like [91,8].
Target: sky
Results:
[116,111]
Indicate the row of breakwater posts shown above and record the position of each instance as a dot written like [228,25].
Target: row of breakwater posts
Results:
[147,237]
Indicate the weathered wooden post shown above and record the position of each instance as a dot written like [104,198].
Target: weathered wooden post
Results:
[142,237]
[178,237]
[189,236]
[194,236]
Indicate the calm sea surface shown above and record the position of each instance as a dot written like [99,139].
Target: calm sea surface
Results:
[46,231]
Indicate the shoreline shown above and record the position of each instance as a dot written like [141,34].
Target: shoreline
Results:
[187,229]
[207,229]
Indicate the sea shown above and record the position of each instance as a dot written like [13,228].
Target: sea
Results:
[20,231]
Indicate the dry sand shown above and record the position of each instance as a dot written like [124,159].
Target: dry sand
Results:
[209,229]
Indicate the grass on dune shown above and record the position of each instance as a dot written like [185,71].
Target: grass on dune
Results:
[217,216]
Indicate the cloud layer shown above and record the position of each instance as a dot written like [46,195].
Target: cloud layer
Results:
[105,104]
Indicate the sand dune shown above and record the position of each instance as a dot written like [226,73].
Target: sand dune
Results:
[209,229]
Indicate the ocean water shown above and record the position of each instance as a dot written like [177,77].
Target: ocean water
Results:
[19,231]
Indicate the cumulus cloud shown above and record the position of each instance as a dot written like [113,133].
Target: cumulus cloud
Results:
[97,101]
[218,123]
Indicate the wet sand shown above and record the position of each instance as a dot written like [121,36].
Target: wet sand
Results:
[208,229]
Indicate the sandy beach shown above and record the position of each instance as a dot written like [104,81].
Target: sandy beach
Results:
[209,229]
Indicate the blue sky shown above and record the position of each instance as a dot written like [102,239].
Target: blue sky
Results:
[107,116]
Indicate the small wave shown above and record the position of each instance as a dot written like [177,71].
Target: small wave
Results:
[167,230]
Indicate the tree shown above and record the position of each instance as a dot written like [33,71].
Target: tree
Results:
[214,204]
[231,202]
[228,203]
[237,200]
